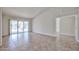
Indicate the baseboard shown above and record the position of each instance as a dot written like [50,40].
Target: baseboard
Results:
[45,34]
[67,34]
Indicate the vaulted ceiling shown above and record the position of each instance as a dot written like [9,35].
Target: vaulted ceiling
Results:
[30,12]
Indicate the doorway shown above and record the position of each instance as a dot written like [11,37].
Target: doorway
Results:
[66,25]
[66,30]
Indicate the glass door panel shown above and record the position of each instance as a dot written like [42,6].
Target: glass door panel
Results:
[25,26]
[13,26]
[20,26]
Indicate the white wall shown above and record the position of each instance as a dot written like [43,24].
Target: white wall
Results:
[67,25]
[5,25]
[45,24]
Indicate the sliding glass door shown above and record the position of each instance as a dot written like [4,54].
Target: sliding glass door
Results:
[18,26]
[25,26]
[13,26]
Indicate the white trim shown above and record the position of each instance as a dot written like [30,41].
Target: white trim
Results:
[67,34]
[53,35]
[57,25]
[76,28]
[66,16]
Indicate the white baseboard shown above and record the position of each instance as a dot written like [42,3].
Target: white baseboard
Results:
[67,34]
[46,34]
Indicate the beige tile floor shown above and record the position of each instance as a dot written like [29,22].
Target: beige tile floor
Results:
[37,42]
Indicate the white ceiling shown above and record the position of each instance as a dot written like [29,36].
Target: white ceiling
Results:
[27,12]
[30,12]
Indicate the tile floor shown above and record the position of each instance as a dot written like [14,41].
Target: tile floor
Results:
[38,42]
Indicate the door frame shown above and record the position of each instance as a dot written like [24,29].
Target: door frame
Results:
[17,26]
[76,29]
